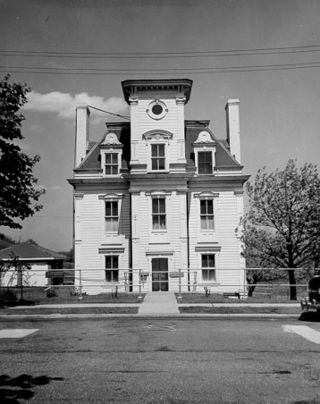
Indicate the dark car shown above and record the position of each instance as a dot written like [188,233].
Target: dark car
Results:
[313,300]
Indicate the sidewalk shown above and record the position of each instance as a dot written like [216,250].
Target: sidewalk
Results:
[160,304]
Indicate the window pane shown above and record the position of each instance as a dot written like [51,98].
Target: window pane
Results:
[211,261]
[205,163]
[108,158]
[204,261]
[203,207]
[112,276]
[209,207]
[203,222]
[108,208]
[161,164]
[154,150]
[162,205]
[161,150]
[210,224]
[108,170]
[162,222]
[155,206]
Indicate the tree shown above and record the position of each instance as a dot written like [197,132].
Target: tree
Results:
[19,191]
[283,222]
[256,245]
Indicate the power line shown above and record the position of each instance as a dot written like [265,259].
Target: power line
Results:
[223,69]
[110,113]
[187,54]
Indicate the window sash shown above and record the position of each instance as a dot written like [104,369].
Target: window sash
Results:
[112,268]
[205,162]
[208,267]
[158,160]
[111,216]
[158,213]
[111,163]
[207,214]
[112,275]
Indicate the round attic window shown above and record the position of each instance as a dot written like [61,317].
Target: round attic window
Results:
[157,109]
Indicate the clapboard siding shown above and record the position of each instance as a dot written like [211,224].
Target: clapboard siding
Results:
[226,221]
[92,238]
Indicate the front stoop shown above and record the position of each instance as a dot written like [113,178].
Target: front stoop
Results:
[159,303]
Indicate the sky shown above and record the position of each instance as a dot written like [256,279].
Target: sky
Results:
[110,41]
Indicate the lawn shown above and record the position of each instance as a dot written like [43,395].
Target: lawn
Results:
[63,295]
[71,310]
[277,295]
[239,310]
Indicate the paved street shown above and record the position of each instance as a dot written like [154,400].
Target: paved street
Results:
[151,361]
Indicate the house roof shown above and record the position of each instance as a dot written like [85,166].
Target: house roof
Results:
[224,159]
[29,250]
[92,160]
[135,87]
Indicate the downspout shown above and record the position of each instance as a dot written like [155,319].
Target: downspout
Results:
[188,237]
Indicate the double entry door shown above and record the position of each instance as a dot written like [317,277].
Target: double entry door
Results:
[160,278]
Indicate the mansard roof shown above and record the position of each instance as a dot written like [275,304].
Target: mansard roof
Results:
[224,159]
[92,161]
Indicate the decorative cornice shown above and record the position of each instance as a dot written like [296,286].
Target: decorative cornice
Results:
[111,249]
[157,134]
[211,247]
[158,193]
[177,87]
[206,195]
[78,195]
[181,100]
[111,196]
[133,100]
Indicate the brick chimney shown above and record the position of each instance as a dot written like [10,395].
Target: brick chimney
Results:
[233,128]
[82,134]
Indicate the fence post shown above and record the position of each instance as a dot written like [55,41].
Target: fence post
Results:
[140,294]
[80,285]
[195,282]
[126,282]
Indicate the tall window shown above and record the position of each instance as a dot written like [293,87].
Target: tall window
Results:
[208,267]
[158,213]
[158,161]
[206,214]
[205,162]
[112,268]
[111,216]
[111,164]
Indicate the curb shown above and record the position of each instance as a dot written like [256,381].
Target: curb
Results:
[58,316]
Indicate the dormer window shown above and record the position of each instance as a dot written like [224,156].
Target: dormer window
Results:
[111,166]
[204,162]
[204,148]
[111,152]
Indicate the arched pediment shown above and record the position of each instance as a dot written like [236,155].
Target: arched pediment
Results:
[157,134]
[204,137]
[111,139]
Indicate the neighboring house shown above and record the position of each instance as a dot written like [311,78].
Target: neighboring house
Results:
[39,265]
[159,194]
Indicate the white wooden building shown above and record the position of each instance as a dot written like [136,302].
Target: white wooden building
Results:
[159,196]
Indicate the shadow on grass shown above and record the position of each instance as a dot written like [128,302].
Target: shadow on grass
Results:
[13,389]
[312,316]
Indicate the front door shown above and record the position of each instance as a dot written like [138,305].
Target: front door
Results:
[160,279]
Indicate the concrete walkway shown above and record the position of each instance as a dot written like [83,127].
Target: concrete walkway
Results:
[159,303]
